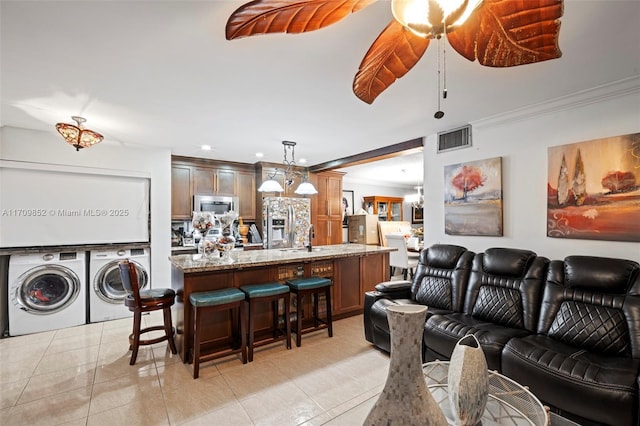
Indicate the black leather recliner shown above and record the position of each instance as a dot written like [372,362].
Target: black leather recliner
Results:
[585,358]
[439,282]
[569,330]
[502,301]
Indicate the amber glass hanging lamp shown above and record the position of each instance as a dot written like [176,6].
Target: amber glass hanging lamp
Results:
[77,135]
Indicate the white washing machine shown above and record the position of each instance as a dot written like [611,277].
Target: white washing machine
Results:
[106,293]
[47,291]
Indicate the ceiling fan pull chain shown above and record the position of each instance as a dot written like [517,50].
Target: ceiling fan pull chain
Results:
[439,114]
[444,69]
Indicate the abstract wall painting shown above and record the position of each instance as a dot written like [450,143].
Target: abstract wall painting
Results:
[473,198]
[593,189]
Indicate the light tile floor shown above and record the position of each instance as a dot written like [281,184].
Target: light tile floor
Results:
[82,376]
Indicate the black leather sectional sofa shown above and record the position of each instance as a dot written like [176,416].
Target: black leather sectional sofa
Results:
[568,329]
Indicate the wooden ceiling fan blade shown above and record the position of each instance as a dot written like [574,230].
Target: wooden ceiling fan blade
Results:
[391,56]
[288,16]
[507,33]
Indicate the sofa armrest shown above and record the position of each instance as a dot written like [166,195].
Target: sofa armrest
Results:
[384,290]
[370,297]
[395,289]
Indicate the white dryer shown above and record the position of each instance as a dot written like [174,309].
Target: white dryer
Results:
[47,291]
[106,293]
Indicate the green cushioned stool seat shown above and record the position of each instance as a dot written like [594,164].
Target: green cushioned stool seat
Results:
[268,292]
[313,286]
[263,290]
[205,303]
[308,283]
[216,297]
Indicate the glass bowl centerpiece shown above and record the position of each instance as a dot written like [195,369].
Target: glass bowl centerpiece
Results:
[227,241]
[203,222]
[225,244]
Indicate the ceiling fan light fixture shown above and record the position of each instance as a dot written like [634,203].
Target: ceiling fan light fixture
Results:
[432,18]
[77,135]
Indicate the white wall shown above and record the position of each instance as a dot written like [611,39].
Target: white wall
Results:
[522,139]
[49,148]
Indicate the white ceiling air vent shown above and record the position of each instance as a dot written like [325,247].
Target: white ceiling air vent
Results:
[454,139]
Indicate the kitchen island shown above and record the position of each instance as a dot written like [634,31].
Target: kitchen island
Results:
[353,268]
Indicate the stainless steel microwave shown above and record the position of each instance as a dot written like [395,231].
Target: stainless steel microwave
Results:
[216,204]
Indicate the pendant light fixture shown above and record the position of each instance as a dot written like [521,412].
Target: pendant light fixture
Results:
[416,199]
[271,185]
[77,135]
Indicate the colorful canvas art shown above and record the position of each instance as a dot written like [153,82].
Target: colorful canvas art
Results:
[473,198]
[593,189]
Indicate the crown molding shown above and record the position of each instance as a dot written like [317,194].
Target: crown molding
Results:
[616,89]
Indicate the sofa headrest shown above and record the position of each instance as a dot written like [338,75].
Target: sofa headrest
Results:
[599,273]
[507,261]
[443,256]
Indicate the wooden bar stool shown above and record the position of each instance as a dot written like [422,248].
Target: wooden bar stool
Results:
[216,300]
[139,301]
[302,287]
[269,292]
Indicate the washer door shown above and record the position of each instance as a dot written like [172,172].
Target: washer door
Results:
[108,285]
[46,289]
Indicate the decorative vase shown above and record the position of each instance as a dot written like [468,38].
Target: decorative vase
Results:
[210,247]
[227,241]
[225,244]
[468,381]
[227,220]
[406,399]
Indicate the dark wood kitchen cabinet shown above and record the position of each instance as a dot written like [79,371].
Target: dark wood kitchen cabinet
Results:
[191,176]
[181,192]
[214,181]
[247,195]
[326,208]
[356,276]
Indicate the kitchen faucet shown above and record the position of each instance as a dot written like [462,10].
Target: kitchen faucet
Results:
[312,234]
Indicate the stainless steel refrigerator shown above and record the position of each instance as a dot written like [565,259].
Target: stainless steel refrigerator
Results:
[286,222]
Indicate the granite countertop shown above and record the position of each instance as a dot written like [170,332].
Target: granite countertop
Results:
[78,247]
[178,249]
[252,258]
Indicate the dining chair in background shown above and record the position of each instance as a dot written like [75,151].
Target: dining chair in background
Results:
[400,258]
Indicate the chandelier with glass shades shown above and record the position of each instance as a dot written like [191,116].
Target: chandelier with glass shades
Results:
[416,199]
[77,135]
[272,185]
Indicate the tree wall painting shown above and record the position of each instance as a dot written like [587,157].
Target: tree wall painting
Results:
[593,189]
[473,198]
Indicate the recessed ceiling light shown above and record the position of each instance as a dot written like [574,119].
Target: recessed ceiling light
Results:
[206,147]
[303,161]
[259,154]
